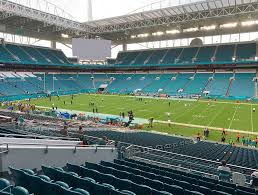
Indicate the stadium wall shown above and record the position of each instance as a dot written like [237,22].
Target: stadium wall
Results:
[34,156]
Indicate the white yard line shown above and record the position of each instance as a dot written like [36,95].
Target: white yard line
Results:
[212,128]
[233,116]
[215,116]
[252,122]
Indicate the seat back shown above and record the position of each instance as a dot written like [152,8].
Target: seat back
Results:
[224,175]
[4,183]
[238,178]
[20,191]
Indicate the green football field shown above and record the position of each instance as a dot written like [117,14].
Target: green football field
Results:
[228,115]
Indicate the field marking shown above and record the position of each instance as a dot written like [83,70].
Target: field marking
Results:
[216,115]
[252,122]
[202,126]
[187,111]
[204,110]
[236,108]
[176,106]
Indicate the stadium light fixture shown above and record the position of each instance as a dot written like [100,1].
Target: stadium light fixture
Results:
[172,31]
[158,33]
[229,25]
[211,27]
[64,36]
[249,23]
[190,29]
[133,36]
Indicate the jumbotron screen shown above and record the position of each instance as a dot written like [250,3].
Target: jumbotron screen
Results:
[91,49]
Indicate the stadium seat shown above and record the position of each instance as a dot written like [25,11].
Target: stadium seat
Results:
[81,191]
[187,192]
[19,191]
[174,189]
[4,183]
[128,192]
[62,184]
[214,192]
[142,189]
[224,175]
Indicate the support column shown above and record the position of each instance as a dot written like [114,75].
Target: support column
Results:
[53,44]
[124,47]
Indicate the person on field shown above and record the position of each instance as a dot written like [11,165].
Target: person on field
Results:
[206,132]
[223,132]
[151,122]
[238,137]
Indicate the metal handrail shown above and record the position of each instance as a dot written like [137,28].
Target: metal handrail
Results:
[174,166]
[192,157]
[62,145]
[38,136]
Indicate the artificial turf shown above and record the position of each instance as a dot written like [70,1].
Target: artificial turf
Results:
[229,115]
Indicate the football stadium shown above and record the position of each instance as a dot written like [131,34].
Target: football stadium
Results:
[138,98]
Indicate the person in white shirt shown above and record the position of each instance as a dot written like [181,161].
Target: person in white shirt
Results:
[223,167]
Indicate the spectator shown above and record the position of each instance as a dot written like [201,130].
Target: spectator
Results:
[238,137]
[80,130]
[223,139]
[223,167]
[101,142]
[254,179]
[243,140]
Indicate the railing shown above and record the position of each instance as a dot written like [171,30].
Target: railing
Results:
[133,150]
[174,167]
[38,137]
[46,146]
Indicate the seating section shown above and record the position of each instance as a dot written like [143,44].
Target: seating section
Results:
[182,56]
[6,188]
[188,55]
[242,86]
[217,152]
[142,138]
[128,176]
[206,54]
[246,52]
[210,151]
[34,55]
[22,54]
[174,84]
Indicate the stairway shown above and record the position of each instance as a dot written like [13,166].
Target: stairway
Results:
[188,83]
[229,87]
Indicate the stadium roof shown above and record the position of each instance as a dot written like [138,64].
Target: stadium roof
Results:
[22,20]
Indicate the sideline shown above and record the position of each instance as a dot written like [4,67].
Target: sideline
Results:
[145,121]
[202,126]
